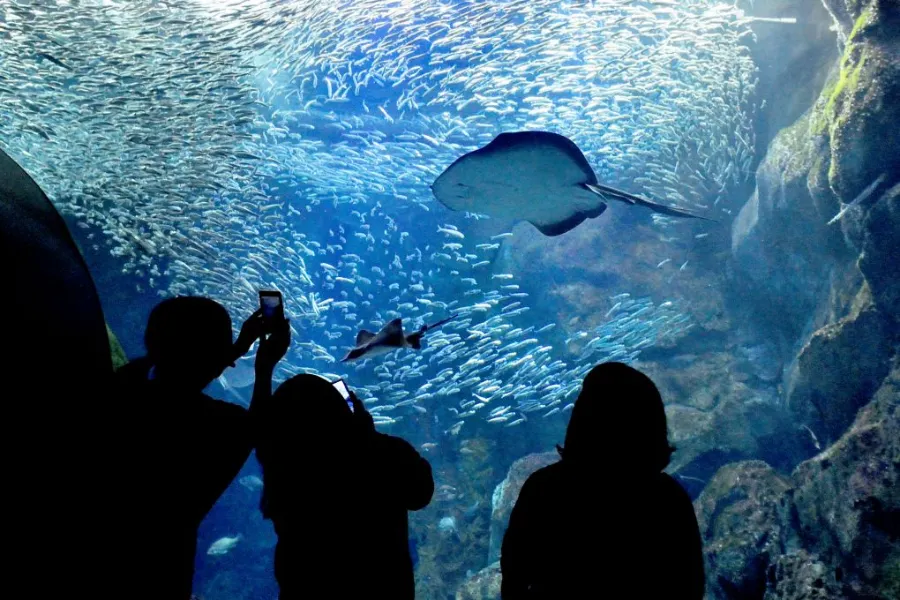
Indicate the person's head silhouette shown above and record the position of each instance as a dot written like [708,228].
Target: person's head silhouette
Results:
[310,399]
[618,421]
[189,341]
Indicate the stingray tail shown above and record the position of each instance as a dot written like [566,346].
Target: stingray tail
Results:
[439,323]
[608,192]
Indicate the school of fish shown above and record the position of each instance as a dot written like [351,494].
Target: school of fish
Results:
[221,147]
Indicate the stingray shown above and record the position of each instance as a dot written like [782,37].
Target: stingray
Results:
[388,339]
[536,176]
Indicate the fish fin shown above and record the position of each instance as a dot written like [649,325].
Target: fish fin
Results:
[395,326]
[608,192]
[364,336]
[415,340]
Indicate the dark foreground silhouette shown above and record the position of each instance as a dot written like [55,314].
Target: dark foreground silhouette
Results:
[605,522]
[178,449]
[56,374]
[338,493]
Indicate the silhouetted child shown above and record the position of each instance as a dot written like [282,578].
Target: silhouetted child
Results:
[178,449]
[338,493]
[605,521]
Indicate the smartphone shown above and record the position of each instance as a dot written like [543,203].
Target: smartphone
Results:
[341,387]
[271,304]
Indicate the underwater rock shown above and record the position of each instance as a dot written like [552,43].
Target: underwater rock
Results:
[793,59]
[838,370]
[860,114]
[740,514]
[483,585]
[780,244]
[802,576]
[717,411]
[507,492]
[580,271]
[847,499]
[880,249]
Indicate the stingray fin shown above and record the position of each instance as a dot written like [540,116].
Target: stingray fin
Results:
[608,192]
[363,336]
[415,340]
[395,326]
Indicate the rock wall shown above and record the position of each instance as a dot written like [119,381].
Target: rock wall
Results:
[831,530]
[828,293]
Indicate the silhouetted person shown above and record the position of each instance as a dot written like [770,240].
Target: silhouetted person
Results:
[605,521]
[179,449]
[338,493]
[56,376]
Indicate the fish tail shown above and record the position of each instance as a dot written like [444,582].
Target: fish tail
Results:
[608,192]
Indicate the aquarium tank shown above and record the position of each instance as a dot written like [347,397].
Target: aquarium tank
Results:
[711,195]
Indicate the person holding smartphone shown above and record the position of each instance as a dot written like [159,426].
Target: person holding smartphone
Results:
[337,492]
[176,449]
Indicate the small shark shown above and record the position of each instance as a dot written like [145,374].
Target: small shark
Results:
[390,338]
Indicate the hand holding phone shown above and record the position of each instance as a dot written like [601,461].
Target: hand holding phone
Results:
[341,387]
[271,305]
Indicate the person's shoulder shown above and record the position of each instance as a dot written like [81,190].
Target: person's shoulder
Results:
[392,442]
[547,476]
[222,409]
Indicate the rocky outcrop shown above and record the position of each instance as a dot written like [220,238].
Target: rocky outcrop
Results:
[828,293]
[740,517]
[801,576]
[507,492]
[839,368]
[860,112]
[830,531]
[483,585]
[880,249]
[782,250]
[847,499]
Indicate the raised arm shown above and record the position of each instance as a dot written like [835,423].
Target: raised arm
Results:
[271,350]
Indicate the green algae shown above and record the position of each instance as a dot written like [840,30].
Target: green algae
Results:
[116,351]
[845,83]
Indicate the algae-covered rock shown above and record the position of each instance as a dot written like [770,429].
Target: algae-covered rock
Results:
[741,518]
[860,110]
[838,370]
[847,499]
[119,357]
[802,576]
[507,492]
[483,585]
